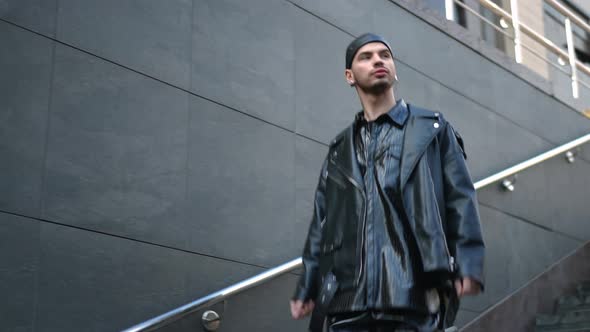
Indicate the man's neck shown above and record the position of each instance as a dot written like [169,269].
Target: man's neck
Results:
[376,105]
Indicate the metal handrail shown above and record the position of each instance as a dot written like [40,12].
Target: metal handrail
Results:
[275,272]
[568,13]
[534,35]
[214,298]
[531,162]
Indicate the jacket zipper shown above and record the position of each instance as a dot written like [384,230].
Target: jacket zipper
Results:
[358,187]
[451,258]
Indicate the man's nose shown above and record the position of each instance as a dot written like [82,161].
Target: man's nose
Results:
[378,62]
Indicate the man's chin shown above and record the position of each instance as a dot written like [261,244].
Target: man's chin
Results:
[377,87]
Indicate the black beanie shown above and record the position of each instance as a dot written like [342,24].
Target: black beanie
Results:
[354,46]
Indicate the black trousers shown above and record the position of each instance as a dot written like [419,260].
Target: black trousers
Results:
[380,322]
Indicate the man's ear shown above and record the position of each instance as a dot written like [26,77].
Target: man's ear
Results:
[349,77]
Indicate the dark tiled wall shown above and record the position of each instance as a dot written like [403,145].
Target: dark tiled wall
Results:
[153,153]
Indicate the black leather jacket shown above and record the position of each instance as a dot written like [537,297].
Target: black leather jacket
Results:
[437,196]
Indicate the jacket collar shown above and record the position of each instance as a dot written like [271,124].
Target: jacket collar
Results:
[398,114]
[420,128]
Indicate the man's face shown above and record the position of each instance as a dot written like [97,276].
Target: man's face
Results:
[372,68]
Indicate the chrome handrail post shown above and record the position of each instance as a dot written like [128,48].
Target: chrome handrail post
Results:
[517,34]
[450,9]
[572,56]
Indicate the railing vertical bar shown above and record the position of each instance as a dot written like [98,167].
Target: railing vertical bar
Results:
[517,33]
[572,56]
[450,10]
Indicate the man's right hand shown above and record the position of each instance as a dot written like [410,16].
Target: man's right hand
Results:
[300,309]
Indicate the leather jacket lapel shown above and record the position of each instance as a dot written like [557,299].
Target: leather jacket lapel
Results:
[342,154]
[420,129]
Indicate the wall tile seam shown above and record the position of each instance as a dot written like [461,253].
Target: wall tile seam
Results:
[126,238]
[471,310]
[43,172]
[189,92]
[529,222]
[256,117]
[187,164]
[500,115]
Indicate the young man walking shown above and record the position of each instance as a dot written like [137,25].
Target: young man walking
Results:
[395,237]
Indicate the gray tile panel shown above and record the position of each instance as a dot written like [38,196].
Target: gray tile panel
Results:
[93,282]
[152,37]
[534,110]
[36,15]
[116,159]
[25,64]
[464,317]
[19,268]
[243,57]
[325,104]
[552,194]
[516,251]
[584,152]
[351,16]
[309,157]
[241,186]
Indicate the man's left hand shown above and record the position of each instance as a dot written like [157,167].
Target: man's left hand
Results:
[467,286]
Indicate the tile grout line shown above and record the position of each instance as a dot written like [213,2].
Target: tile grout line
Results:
[42,202]
[122,237]
[522,219]
[188,141]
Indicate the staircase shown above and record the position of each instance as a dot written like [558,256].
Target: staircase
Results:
[572,314]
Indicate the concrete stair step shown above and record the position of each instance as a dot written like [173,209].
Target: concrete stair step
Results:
[572,314]
[564,328]
[584,287]
[562,323]
[573,303]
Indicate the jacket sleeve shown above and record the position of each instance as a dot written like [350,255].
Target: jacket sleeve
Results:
[462,216]
[307,286]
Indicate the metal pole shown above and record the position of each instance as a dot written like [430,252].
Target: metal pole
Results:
[450,9]
[568,13]
[517,34]
[211,299]
[534,35]
[572,57]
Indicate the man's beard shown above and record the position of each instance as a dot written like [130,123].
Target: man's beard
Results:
[376,88]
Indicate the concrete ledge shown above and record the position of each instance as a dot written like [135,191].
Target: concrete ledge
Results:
[464,36]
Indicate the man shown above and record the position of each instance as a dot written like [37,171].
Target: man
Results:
[395,237]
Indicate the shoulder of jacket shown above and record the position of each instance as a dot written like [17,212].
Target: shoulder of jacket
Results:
[340,136]
[420,112]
